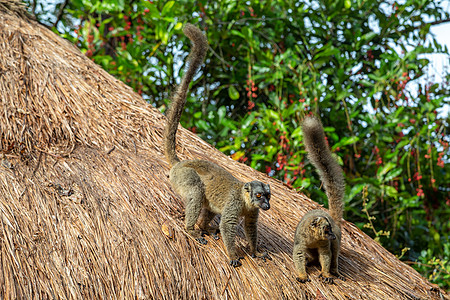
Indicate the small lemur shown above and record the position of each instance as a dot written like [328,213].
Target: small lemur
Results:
[207,188]
[318,234]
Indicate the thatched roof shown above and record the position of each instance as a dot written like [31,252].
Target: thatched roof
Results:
[85,203]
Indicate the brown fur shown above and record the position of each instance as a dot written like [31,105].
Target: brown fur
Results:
[207,188]
[318,235]
[179,98]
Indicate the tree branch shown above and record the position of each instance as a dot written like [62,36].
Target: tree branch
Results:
[425,24]
[439,22]
[60,13]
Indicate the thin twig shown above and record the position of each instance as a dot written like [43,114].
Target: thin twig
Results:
[218,56]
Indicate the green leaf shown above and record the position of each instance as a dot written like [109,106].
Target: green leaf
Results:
[235,32]
[154,12]
[248,33]
[368,36]
[366,83]
[334,136]
[346,141]
[221,113]
[202,124]
[342,94]
[167,7]
[306,182]
[390,191]
[248,121]
[392,174]
[271,151]
[233,93]
[178,26]
[356,190]
[436,237]
[375,77]
[272,114]
[228,124]
[386,168]
[399,111]
[402,144]
[326,52]
[110,6]
[296,133]
[347,4]
[387,138]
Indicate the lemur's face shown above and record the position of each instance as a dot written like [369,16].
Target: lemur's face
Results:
[323,228]
[259,194]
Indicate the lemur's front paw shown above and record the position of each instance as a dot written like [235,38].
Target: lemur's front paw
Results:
[202,240]
[264,256]
[303,279]
[339,276]
[236,262]
[215,236]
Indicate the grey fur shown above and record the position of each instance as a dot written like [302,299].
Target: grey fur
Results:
[207,188]
[318,235]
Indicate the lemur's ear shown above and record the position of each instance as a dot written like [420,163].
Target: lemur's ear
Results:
[247,187]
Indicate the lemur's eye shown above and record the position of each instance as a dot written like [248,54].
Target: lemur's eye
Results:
[258,195]
[268,196]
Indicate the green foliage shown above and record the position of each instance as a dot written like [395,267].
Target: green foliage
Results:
[360,65]
[435,269]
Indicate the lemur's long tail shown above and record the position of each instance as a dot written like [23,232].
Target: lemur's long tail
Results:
[329,170]
[196,57]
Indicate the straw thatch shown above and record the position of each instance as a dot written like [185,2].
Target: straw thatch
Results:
[86,209]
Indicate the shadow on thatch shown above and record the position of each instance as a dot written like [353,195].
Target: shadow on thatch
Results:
[85,204]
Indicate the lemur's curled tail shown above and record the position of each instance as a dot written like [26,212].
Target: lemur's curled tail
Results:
[195,60]
[329,170]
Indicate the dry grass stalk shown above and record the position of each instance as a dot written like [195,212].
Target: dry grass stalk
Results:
[84,195]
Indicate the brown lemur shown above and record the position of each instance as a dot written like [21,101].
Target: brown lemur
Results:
[318,234]
[207,188]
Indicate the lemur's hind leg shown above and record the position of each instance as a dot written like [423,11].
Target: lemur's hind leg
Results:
[205,219]
[191,188]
